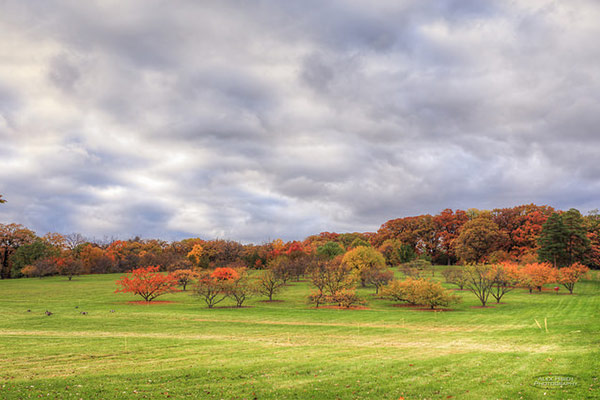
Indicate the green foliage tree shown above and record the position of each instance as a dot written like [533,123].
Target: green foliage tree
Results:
[553,241]
[563,240]
[330,250]
[28,254]
[577,243]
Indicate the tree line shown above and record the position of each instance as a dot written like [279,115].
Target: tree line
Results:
[523,234]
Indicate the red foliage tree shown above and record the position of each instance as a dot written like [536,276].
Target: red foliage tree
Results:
[225,274]
[147,282]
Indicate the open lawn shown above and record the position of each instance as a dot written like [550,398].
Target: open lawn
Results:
[288,349]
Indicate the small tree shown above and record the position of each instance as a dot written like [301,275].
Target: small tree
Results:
[455,276]
[224,274]
[282,267]
[184,277]
[363,259]
[379,277]
[480,279]
[147,282]
[210,289]
[240,289]
[269,284]
[329,277]
[569,276]
[536,275]
[506,277]
[69,267]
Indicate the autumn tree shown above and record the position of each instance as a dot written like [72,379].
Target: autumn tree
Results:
[378,277]
[363,259]
[184,277]
[147,282]
[505,278]
[569,276]
[29,253]
[2,200]
[282,267]
[392,251]
[480,280]
[211,289]
[478,238]
[402,290]
[455,276]
[225,274]
[241,288]
[432,295]
[536,275]
[449,223]
[346,298]
[68,266]
[12,236]
[329,277]
[269,284]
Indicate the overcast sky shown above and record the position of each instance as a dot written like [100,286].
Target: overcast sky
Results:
[252,120]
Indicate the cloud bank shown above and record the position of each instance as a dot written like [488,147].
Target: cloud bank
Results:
[257,120]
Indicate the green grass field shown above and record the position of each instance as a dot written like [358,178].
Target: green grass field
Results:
[287,349]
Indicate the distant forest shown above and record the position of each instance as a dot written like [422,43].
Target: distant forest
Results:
[523,234]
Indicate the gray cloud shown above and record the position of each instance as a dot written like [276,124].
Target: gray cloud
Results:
[253,121]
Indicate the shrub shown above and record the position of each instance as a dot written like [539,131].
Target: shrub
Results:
[29,271]
[347,298]
[432,294]
[405,290]
[421,292]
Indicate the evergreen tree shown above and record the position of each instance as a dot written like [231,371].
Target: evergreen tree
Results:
[553,241]
[577,242]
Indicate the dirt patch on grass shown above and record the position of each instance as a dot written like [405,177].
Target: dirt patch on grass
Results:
[345,308]
[404,305]
[149,303]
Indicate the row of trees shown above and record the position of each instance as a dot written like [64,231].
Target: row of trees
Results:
[498,279]
[523,234]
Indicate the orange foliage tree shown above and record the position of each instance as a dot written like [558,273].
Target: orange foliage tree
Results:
[184,276]
[225,274]
[147,282]
[536,275]
[569,276]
